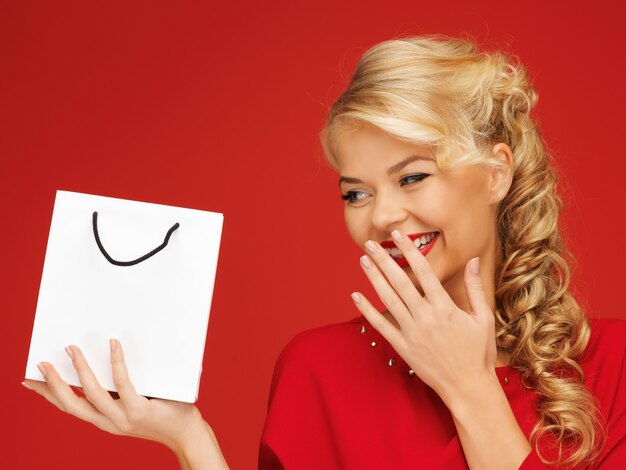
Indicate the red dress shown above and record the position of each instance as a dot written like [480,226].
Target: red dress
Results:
[341,398]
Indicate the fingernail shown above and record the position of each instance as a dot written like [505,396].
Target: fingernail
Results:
[113,344]
[356,297]
[370,246]
[27,386]
[475,266]
[366,262]
[42,369]
[397,236]
[69,352]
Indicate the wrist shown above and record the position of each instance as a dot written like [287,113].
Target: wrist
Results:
[198,448]
[487,427]
[470,395]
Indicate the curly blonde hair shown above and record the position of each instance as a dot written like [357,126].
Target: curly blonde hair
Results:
[445,93]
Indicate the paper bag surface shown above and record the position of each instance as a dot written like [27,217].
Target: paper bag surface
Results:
[158,307]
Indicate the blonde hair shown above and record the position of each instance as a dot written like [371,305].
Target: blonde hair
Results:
[444,93]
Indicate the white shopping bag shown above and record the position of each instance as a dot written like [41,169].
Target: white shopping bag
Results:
[124,269]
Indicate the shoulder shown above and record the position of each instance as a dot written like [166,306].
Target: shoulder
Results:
[604,359]
[608,326]
[608,337]
[604,365]
[316,344]
[316,356]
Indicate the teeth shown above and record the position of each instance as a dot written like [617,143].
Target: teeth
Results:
[424,240]
[418,242]
[395,252]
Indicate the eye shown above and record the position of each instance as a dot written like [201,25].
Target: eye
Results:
[353,196]
[410,179]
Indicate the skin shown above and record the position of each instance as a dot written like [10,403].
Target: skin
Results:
[177,425]
[444,299]
[460,205]
[440,310]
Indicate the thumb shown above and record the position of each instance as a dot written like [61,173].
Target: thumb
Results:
[475,290]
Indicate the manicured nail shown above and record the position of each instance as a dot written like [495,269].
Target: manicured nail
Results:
[27,386]
[366,262]
[397,236]
[475,266]
[42,369]
[371,246]
[69,352]
[113,344]
[356,297]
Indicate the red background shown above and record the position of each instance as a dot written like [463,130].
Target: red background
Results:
[218,107]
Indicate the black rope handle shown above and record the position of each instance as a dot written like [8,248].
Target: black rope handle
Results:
[138,260]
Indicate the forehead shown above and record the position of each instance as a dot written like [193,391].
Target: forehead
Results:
[368,148]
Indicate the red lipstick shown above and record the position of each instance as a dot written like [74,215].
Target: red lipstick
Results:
[402,262]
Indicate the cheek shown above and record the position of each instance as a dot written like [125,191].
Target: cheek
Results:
[471,227]
[352,225]
[461,211]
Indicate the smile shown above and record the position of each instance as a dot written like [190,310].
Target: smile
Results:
[423,241]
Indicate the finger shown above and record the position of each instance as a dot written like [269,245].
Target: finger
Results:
[378,321]
[42,389]
[387,294]
[395,275]
[60,394]
[92,389]
[124,386]
[475,290]
[432,288]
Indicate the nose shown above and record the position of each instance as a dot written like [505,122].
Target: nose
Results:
[388,212]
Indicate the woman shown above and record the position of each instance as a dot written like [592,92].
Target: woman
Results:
[483,358]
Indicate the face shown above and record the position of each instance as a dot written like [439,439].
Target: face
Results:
[389,184]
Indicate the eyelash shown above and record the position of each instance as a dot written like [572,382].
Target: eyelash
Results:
[349,195]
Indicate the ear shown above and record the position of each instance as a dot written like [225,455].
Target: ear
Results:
[501,176]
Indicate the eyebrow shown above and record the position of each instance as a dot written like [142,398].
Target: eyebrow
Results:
[390,171]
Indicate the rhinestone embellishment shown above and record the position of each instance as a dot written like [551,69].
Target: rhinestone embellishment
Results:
[391,362]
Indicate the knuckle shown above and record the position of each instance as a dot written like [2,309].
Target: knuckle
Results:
[135,415]
[421,269]
[429,322]
[88,392]
[395,303]
[450,315]
[477,285]
[92,392]
[438,304]
[406,285]
[125,426]
[374,318]
[69,408]
[119,380]
[117,359]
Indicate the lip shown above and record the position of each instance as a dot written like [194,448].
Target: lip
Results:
[402,262]
[412,236]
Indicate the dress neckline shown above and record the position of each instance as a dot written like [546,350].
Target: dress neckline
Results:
[504,373]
